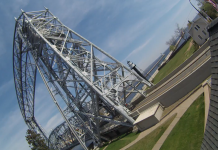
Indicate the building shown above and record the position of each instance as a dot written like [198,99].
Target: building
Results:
[149,117]
[198,31]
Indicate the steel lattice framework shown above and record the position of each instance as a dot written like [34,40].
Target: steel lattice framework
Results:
[93,84]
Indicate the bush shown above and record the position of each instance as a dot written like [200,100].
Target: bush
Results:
[195,45]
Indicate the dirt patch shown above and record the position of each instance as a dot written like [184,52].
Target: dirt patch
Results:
[190,45]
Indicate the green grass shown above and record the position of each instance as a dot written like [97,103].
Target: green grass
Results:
[102,148]
[122,141]
[189,131]
[176,61]
[148,142]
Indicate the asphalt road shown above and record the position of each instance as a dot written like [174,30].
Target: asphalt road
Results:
[180,84]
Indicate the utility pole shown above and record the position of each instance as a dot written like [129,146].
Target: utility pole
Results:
[197,10]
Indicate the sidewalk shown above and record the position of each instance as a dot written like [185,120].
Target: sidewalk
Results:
[180,110]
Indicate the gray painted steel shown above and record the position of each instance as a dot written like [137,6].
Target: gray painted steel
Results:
[210,141]
[93,85]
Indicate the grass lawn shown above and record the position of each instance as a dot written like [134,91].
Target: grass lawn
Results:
[176,61]
[148,142]
[122,141]
[102,148]
[189,131]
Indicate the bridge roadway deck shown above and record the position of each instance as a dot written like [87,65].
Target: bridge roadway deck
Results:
[180,82]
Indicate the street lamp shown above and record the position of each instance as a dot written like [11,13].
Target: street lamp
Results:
[197,10]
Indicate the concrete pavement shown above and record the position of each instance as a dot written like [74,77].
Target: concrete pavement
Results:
[207,90]
[186,79]
[180,110]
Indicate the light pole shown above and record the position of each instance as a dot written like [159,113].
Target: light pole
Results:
[197,10]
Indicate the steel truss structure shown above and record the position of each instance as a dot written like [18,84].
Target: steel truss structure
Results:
[93,84]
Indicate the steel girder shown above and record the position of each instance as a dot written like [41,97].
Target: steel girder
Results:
[24,70]
[92,83]
[62,137]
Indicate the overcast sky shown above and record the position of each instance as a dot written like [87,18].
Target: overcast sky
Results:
[135,30]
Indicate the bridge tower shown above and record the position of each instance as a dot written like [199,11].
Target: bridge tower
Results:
[91,83]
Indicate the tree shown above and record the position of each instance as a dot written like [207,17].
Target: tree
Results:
[200,2]
[171,41]
[196,46]
[35,141]
[209,9]
[172,47]
[180,32]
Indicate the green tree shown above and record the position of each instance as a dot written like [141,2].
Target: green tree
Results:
[209,9]
[35,141]
[172,47]
[196,46]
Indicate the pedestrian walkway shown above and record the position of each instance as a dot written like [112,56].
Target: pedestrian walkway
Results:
[180,110]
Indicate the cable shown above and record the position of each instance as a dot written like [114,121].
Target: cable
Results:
[187,17]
